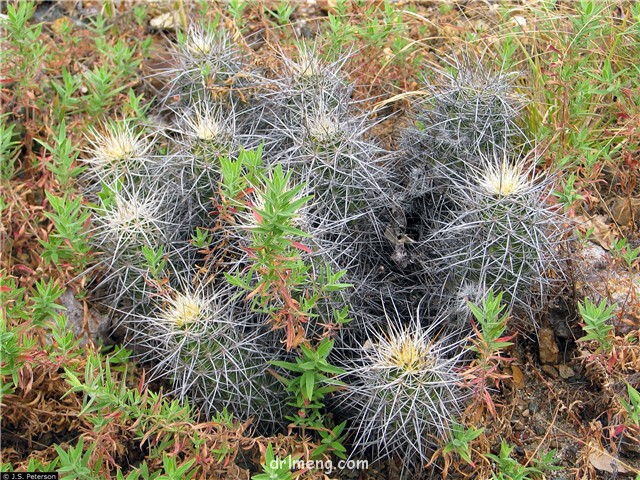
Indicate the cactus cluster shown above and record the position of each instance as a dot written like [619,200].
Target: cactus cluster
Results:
[473,206]
[455,212]
[154,190]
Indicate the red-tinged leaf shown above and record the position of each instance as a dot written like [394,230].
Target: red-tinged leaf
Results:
[24,268]
[115,415]
[489,403]
[257,216]
[617,430]
[290,335]
[554,49]
[5,289]
[25,378]
[248,250]
[300,246]
[106,454]
[611,362]
[142,382]
[292,304]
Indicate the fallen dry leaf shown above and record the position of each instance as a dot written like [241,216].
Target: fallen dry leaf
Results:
[625,210]
[518,376]
[606,463]
[601,231]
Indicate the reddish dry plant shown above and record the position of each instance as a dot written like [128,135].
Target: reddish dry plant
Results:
[41,408]
[484,372]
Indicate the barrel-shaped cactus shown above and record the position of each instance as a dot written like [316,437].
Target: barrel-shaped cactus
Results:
[132,217]
[472,112]
[205,65]
[402,390]
[502,233]
[207,343]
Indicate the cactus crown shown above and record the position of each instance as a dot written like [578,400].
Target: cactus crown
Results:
[118,145]
[406,352]
[200,42]
[184,310]
[503,179]
[131,213]
[205,126]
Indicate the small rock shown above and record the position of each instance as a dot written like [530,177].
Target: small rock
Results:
[570,453]
[548,349]
[560,324]
[532,406]
[327,5]
[550,370]
[565,371]
[518,426]
[539,429]
[526,413]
